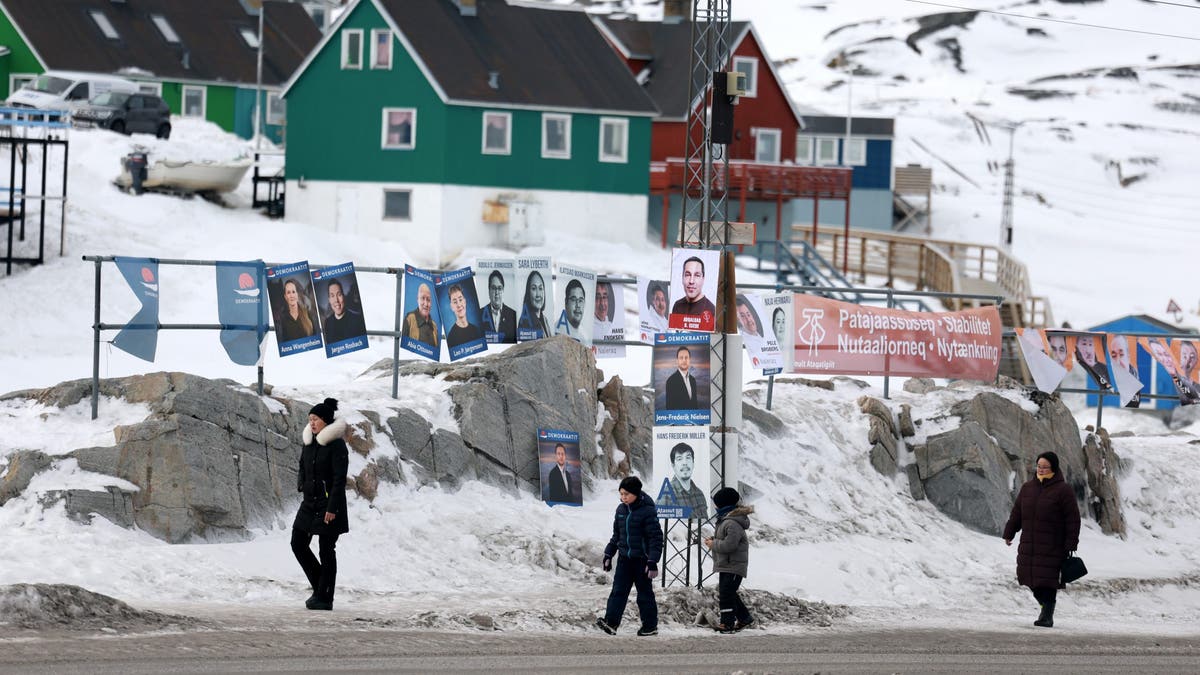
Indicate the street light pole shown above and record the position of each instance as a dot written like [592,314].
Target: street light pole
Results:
[1006,216]
[262,9]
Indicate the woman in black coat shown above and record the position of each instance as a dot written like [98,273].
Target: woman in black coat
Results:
[322,480]
[1047,516]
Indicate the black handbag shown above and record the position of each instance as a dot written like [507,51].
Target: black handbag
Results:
[1073,569]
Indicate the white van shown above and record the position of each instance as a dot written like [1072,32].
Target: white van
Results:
[67,90]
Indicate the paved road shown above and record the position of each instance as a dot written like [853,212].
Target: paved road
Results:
[373,650]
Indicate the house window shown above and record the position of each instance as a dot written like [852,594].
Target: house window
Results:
[381,49]
[748,66]
[399,128]
[250,37]
[766,145]
[556,136]
[614,139]
[856,152]
[397,204]
[804,149]
[104,24]
[497,133]
[165,28]
[827,151]
[352,49]
[193,101]
[276,110]
[150,88]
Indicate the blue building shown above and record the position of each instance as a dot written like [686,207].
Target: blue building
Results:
[822,142]
[1154,377]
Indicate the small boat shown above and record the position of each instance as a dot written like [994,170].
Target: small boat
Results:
[175,176]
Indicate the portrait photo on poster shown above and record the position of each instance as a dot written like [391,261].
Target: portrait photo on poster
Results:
[762,348]
[495,285]
[694,276]
[559,467]
[535,278]
[459,308]
[780,306]
[681,378]
[293,308]
[421,327]
[681,473]
[608,320]
[653,308]
[1090,354]
[1122,361]
[578,295]
[340,304]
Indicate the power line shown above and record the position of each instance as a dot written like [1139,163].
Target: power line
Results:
[1043,18]
[1175,4]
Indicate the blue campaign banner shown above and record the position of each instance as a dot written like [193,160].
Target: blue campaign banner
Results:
[420,334]
[559,467]
[667,505]
[682,379]
[340,305]
[139,336]
[459,309]
[294,308]
[242,309]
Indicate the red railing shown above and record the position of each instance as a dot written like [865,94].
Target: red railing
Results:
[758,181]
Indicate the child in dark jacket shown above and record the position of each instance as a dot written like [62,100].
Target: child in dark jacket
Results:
[731,557]
[638,539]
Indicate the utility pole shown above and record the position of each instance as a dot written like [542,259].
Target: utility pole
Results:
[1006,216]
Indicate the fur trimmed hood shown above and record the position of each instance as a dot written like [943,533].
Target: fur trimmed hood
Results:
[334,430]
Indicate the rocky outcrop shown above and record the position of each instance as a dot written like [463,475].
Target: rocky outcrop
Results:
[627,432]
[1103,466]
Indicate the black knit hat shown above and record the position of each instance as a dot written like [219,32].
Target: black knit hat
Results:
[632,485]
[1052,458]
[325,410]
[726,496]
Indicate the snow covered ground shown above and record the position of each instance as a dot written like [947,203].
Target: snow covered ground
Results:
[828,526]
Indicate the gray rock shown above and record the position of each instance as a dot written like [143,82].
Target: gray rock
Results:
[915,487]
[880,433]
[1103,469]
[905,420]
[1182,415]
[771,425]
[970,498]
[452,462]
[919,385]
[111,503]
[412,436]
[883,460]
[876,408]
[966,475]
[22,465]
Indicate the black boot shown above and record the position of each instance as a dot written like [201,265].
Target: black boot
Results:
[1046,618]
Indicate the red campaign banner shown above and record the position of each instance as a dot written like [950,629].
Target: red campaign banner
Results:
[841,338]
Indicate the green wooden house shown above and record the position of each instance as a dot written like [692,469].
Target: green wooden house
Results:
[201,56]
[449,123]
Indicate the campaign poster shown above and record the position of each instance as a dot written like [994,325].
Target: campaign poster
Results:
[681,379]
[339,300]
[608,320]
[420,332]
[578,289]
[779,309]
[535,278]
[681,477]
[242,309]
[694,276]
[1090,355]
[496,287]
[139,336]
[1188,392]
[1047,373]
[761,346]
[1122,358]
[294,306]
[1184,352]
[559,467]
[653,298]
[459,309]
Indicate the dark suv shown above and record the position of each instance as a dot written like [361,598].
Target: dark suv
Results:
[126,114]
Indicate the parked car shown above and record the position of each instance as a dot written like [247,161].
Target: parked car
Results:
[126,114]
[66,90]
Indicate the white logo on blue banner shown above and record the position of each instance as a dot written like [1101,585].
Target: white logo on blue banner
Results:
[681,379]
[140,335]
[242,309]
[459,309]
[294,307]
[419,330]
[340,304]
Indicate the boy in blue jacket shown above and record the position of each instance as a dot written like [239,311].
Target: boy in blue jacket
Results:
[638,538]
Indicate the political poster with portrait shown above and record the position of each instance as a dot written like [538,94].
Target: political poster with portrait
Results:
[294,308]
[242,309]
[1122,353]
[577,289]
[339,301]
[1184,352]
[682,379]
[761,346]
[694,276]
[608,320]
[1164,354]
[1061,347]
[559,467]
[535,279]
[1046,372]
[779,311]
[496,287]
[1090,355]
[653,300]
[139,335]
[421,327]
[681,477]
[459,308]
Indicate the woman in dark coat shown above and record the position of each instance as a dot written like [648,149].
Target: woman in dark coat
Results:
[1048,518]
[322,480]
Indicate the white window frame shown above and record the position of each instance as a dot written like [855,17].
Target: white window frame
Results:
[346,33]
[752,79]
[25,77]
[183,94]
[384,131]
[165,28]
[623,124]
[818,160]
[758,133]
[275,119]
[856,151]
[383,206]
[249,36]
[390,48]
[483,146]
[805,158]
[149,87]
[565,153]
[101,20]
